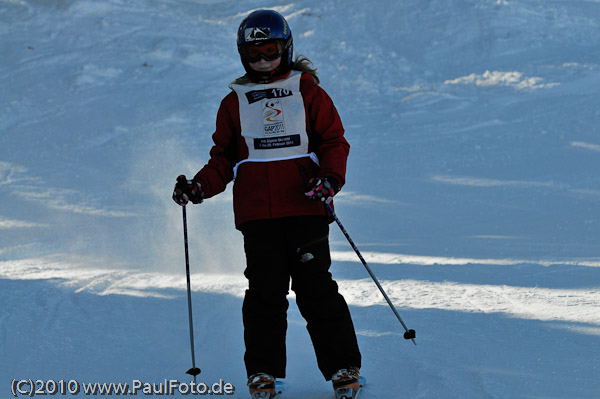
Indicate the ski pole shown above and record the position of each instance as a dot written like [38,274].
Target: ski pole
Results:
[194,371]
[408,334]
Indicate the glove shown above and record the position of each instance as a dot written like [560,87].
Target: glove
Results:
[322,189]
[187,190]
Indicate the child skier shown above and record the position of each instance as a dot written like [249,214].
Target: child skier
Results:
[279,136]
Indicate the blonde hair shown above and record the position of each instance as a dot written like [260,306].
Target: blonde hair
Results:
[301,63]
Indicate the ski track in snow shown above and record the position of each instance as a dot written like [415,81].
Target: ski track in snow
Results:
[523,302]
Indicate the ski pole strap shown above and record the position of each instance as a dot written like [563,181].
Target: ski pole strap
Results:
[409,334]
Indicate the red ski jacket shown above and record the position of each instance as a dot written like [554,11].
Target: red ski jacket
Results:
[275,189]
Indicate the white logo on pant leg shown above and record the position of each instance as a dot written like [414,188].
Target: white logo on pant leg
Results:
[306,257]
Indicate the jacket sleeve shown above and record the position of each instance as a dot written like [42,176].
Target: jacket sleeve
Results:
[218,171]
[326,131]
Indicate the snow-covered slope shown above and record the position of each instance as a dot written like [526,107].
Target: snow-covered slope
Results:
[472,189]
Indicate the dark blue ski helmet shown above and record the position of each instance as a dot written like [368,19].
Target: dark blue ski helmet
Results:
[262,26]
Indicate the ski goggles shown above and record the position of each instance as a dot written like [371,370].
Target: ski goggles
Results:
[268,51]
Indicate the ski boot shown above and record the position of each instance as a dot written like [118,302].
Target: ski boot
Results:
[262,386]
[346,383]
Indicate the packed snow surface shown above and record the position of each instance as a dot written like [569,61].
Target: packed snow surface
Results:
[472,190]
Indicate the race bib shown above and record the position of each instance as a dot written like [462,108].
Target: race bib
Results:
[273,119]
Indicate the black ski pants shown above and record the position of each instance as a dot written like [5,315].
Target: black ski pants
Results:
[295,248]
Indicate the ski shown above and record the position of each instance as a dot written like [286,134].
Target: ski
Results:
[350,393]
